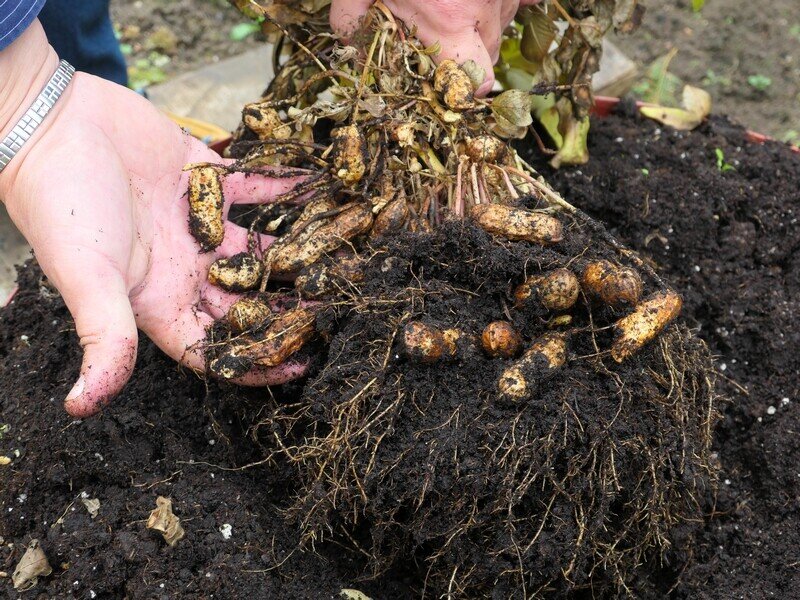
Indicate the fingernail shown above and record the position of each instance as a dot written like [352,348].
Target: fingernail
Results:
[77,389]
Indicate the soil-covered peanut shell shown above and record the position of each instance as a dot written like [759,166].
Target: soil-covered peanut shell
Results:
[501,340]
[230,363]
[287,333]
[426,344]
[314,282]
[247,314]
[517,224]
[645,323]
[454,84]
[240,273]
[485,148]
[556,290]
[391,219]
[205,206]
[612,284]
[349,154]
[355,220]
[265,121]
[547,354]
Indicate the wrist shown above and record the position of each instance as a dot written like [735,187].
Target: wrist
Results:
[25,68]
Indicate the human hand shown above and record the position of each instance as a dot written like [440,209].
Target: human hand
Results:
[100,195]
[465,29]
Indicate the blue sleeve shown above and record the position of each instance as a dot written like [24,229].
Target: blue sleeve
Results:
[15,17]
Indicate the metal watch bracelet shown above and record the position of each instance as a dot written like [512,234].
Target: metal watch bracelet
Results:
[34,116]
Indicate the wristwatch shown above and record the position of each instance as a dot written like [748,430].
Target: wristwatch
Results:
[34,116]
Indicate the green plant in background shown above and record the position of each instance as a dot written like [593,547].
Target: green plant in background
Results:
[553,49]
[721,164]
[147,71]
[697,5]
[759,82]
[242,31]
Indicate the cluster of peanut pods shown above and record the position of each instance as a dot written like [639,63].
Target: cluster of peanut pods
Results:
[557,291]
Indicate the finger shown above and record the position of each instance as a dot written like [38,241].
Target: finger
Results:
[98,300]
[236,240]
[345,15]
[254,188]
[261,376]
[469,45]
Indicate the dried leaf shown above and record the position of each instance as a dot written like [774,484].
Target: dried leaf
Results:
[514,106]
[475,72]
[162,519]
[696,100]
[697,106]
[92,504]
[538,34]
[353,595]
[31,566]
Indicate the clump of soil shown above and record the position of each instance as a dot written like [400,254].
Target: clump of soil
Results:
[154,440]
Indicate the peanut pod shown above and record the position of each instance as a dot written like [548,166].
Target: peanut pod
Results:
[454,84]
[612,284]
[501,339]
[556,290]
[318,280]
[308,249]
[239,273]
[287,333]
[426,344]
[247,314]
[205,206]
[547,354]
[265,121]
[391,219]
[349,154]
[230,363]
[644,324]
[517,223]
[485,148]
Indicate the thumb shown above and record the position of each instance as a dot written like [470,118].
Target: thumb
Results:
[105,323]
[346,13]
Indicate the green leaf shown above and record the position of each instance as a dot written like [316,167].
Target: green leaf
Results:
[697,5]
[242,31]
[126,49]
[538,34]
[759,82]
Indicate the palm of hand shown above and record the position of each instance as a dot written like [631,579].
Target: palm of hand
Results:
[101,197]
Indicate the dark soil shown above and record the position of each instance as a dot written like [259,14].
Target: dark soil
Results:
[729,243]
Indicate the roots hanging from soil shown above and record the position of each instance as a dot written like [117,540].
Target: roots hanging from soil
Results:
[498,391]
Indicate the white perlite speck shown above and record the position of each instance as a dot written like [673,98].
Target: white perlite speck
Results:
[771,410]
[226,530]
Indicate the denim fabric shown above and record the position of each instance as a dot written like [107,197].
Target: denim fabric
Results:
[15,16]
[81,32]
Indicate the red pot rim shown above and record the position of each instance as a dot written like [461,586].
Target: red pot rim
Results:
[11,296]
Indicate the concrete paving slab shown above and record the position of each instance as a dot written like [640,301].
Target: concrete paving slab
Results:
[14,250]
[217,93]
